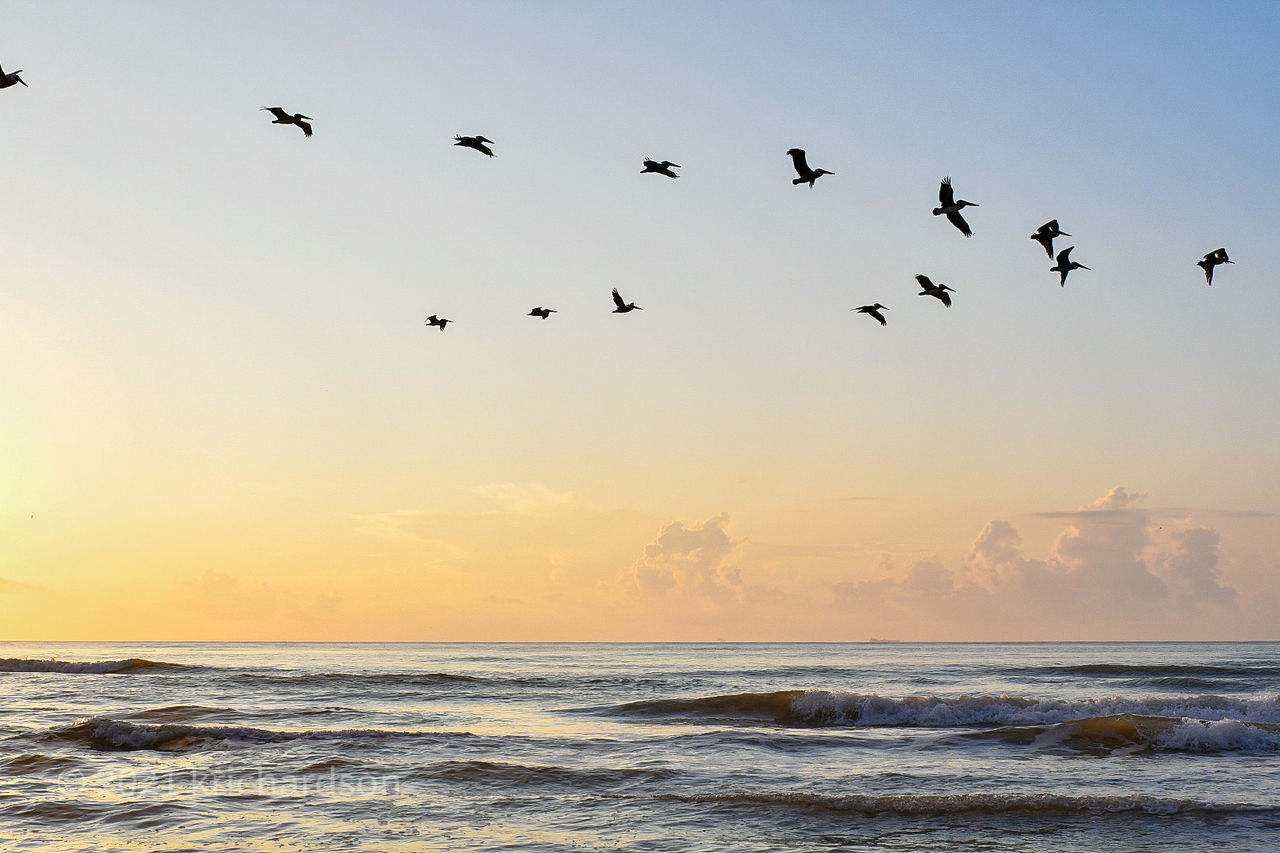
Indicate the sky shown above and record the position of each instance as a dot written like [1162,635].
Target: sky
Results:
[223,418]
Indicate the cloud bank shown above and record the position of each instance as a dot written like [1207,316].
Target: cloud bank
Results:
[1111,573]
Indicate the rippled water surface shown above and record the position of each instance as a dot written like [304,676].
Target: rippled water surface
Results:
[895,747]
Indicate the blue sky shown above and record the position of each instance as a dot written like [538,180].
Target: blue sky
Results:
[206,315]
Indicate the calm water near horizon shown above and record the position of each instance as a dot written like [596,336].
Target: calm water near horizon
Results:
[1091,747]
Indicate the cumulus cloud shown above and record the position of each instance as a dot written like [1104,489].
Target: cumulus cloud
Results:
[1110,569]
[694,561]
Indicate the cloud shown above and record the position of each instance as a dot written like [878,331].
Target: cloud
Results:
[1110,571]
[524,498]
[694,561]
[7,586]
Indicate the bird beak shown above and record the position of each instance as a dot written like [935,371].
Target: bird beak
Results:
[20,80]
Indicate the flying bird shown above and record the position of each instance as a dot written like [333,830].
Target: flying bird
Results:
[937,291]
[1066,265]
[1045,233]
[663,168]
[544,313]
[873,311]
[11,79]
[441,322]
[1211,260]
[807,175]
[479,143]
[952,208]
[623,307]
[282,117]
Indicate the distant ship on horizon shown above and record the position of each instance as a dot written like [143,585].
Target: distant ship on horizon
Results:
[881,640]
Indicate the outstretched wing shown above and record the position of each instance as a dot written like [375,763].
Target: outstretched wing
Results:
[278,112]
[1044,238]
[1064,257]
[925,282]
[799,161]
[958,221]
[617,299]
[946,195]
[306,127]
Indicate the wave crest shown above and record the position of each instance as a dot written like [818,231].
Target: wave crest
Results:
[811,708]
[99,667]
[103,733]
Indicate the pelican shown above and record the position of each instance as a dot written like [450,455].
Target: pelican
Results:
[937,291]
[7,80]
[476,142]
[544,313]
[1211,260]
[873,311]
[282,117]
[952,208]
[1045,233]
[807,175]
[663,168]
[623,307]
[433,320]
[1066,265]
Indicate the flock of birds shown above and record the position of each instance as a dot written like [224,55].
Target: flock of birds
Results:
[948,206]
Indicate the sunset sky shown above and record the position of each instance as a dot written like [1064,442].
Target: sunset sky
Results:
[222,418]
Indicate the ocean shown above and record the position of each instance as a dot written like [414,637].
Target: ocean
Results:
[641,747]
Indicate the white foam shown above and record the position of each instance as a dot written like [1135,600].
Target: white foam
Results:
[837,707]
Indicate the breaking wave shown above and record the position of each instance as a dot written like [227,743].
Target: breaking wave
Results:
[110,735]
[1020,805]
[100,667]
[816,708]
[1137,733]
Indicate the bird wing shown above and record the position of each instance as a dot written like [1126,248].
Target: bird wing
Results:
[617,299]
[946,195]
[278,112]
[958,221]
[306,127]
[1045,239]
[945,297]
[925,282]
[800,162]
[1064,257]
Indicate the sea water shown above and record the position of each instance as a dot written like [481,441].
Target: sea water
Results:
[644,747]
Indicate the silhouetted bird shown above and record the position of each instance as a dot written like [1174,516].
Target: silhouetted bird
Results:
[433,320]
[282,117]
[807,175]
[1066,265]
[544,313]
[1211,260]
[1045,233]
[952,208]
[937,291]
[873,311]
[663,168]
[11,79]
[623,307]
[476,142]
